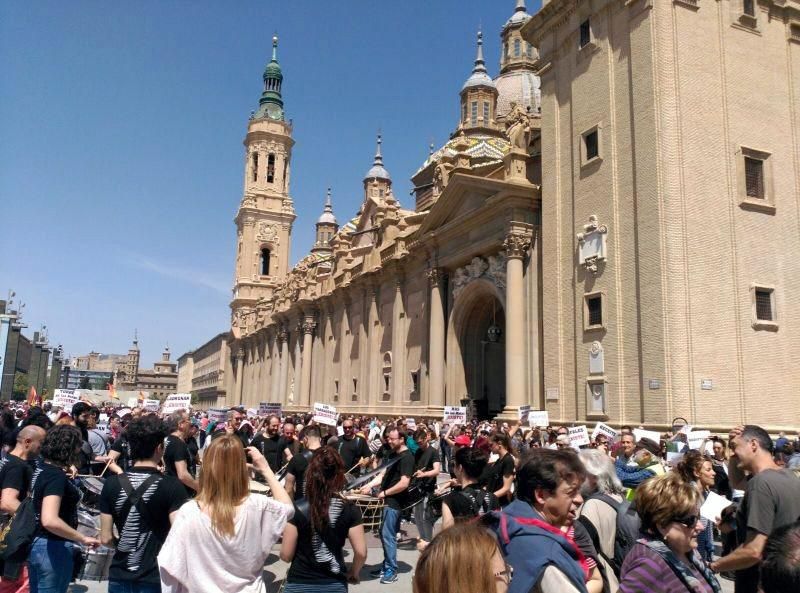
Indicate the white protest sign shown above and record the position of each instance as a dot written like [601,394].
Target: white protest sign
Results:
[218,415]
[641,433]
[65,399]
[325,414]
[152,405]
[411,424]
[269,409]
[539,418]
[524,412]
[605,429]
[123,412]
[455,415]
[133,402]
[578,436]
[340,430]
[713,506]
[178,401]
[697,437]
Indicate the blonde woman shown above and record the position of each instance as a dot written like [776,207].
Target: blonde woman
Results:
[463,558]
[220,541]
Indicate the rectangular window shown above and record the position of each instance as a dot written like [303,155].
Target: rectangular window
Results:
[754,177]
[474,113]
[464,114]
[271,168]
[585,33]
[530,50]
[749,7]
[255,166]
[591,145]
[517,50]
[485,112]
[764,305]
[594,310]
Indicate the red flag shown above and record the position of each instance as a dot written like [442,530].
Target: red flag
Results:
[112,391]
[33,399]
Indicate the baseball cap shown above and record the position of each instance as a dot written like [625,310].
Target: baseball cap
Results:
[463,440]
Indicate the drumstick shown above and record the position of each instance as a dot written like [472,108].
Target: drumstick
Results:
[106,467]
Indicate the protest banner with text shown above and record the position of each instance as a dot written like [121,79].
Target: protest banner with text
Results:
[325,414]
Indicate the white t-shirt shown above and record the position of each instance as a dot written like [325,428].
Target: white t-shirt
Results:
[194,559]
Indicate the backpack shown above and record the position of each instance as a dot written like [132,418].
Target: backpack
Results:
[480,501]
[627,533]
[17,536]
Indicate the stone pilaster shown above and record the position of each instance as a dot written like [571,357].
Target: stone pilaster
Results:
[436,395]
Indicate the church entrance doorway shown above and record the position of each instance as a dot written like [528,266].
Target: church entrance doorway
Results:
[480,364]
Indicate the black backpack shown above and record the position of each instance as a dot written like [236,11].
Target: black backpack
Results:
[480,501]
[17,535]
[627,533]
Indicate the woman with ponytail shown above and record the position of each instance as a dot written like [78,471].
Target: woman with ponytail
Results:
[314,540]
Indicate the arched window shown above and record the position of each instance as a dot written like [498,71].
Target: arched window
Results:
[265,257]
[255,166]
[387,376]
[516,48]
[530,50]
[271,168]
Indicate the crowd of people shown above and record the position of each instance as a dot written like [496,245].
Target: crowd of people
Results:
[187,503]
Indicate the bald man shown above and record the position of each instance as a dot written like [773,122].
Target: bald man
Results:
[16,471]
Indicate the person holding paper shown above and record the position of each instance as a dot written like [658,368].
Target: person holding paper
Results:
[696,469]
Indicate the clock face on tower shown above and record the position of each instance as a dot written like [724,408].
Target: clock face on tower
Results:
[274,112]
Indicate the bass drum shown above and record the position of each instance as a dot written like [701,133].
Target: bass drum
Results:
[96,564]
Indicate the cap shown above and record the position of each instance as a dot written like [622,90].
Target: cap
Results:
[649,445]
[463,441]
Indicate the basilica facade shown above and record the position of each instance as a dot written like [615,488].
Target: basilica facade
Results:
[543,261]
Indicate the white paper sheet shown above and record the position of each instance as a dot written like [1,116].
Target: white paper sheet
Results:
[713,506]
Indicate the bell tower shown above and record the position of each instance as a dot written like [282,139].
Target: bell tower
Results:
[266,213]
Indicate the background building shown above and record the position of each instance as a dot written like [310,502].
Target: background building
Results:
[74,378]
[201,372]
[161,380]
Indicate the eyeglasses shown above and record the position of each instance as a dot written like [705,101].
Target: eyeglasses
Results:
[506,574]
[689,522]
[347,427]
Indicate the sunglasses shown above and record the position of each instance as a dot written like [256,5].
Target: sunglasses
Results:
[689,522]
[505,575]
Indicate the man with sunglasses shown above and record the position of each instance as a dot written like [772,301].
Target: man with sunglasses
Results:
[771,500]
[232,426]
[353,449]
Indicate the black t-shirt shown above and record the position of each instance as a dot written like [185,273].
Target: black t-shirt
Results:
[194,449]
[470,502]
[501,468]
[16,473]
[297,467]
[271,448]
[174,451]
[243,437]
[50,480]
[121,446]
[306,568]
[424,460]
[352,451]
[403,467]
[140,538]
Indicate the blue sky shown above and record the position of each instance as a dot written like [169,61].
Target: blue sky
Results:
[121,128]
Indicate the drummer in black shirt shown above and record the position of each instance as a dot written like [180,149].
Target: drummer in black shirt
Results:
[353,449]
[427,467]
[142,527]
[298,464]
[393,492]
[176,453]
[16,471]
[272,446]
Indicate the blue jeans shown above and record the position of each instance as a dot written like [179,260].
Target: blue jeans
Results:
[390,526]
[50,565]
[133,587]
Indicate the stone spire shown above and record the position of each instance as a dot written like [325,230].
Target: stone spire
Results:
[327,227]
[479,76]
[270,105]
[478,97]
[378,171]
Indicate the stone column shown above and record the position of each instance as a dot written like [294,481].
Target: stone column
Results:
[345,337]
[327,354]
[275,368]
[283,382]
[516,244]
[398,343]
[436,346]
[305,377]
[239,355]
[373,353]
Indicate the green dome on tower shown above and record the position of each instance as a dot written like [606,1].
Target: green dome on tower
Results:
[270,105]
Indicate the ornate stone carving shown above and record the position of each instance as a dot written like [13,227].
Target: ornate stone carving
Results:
[592,244]
[267,232]
[518,127]
[249,220]
[308,326]
[435,276]
[517,244]
[283,335]
[491,269]
[441,175]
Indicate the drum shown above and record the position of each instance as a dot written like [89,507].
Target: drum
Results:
[88,521]
[371,509]
[258,487]
[91,487]
[96,564]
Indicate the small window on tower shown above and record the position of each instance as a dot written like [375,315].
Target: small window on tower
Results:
[265,257]
[255,166]
[585,33]
[485,111]
[464,113]
[505,50]
[474,113]
[530,50]
[517,50]
[271,168]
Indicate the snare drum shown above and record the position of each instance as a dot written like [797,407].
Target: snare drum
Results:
[258,488]
[88,521]
[371,509]
[96,564]
[91,487]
